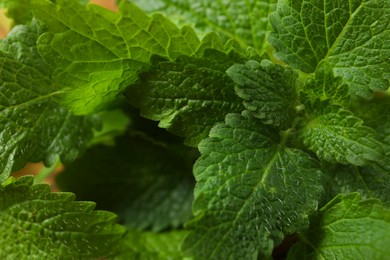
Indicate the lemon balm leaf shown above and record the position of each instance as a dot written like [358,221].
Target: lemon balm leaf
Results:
[47,225]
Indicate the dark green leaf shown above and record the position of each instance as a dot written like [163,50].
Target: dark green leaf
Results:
[250,192]
[189,95]
[352,36]
[376,114]
[371,181]
[347,228]
[149,184]
[268,90]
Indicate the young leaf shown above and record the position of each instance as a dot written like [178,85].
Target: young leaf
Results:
[250,191]
[148,184]
[152,246]
[108,49]
[326,87]
[33,127]
[268,90]
[189,95]
[352,36]
[338,136]
[347,228]
[245,21]
[38,224]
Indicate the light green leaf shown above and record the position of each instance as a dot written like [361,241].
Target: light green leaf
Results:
[245,21]
[268,90]
[38,224]
[147,183]
[115,123]
[338,136]
[152,246]
[250,192]
[20,10]
[189,95]
[352,36]
[347,228]
[33,127]
[108,49]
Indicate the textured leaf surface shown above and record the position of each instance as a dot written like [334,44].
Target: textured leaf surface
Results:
[152,246]
[189,95]
[149,184]
[340,137]
[98,53]
[371,181]
[269,91]
[20,11]
[250,192]
[38,224]
[348,228]
[33,127]
[376,114]
[353,36]
[245,21]
[326,87]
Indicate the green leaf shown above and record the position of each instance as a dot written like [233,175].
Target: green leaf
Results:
[250,192]
[244,21]
[20,10]
[352,36]
[376,114]
[268,90]
[38,224]
[371,181]
[152,246]
[147,183]
[338,136]
[115,123]
[347,228]
[33,127]
[189,95]
[326,87]
[108,49]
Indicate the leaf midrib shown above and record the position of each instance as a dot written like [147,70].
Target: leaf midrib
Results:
[266,173]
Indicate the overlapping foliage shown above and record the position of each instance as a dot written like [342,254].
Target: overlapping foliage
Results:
[284,100]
